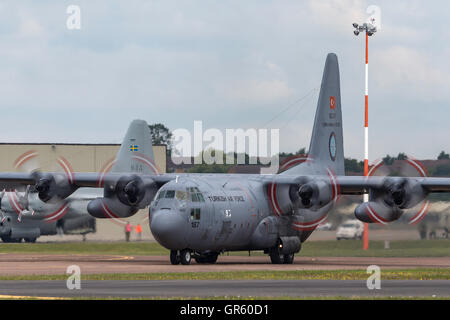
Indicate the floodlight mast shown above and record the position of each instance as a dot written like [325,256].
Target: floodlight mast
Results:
[369,29]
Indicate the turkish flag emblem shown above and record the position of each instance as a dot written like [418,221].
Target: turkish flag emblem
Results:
[332,103]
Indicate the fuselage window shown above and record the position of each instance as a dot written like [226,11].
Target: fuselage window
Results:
[170,194]
[195,213]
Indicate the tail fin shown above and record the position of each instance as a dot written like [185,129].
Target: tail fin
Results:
[326,148]
[136,152]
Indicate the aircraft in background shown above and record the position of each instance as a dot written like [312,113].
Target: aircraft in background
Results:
[29,214]
[203,215]
[25,216]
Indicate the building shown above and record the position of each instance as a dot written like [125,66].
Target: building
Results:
[82,158]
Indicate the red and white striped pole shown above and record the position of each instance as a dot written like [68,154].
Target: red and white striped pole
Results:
[366,140]
[370,29]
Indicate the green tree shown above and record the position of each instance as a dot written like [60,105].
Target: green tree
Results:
[443,156]
[161,134]
[402,156]
[301,151]
[353,165]
[388,160]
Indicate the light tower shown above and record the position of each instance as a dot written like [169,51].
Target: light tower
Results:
[370,29]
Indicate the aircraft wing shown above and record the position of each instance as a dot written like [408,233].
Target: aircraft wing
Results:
[11,180]
[389,196]
[123,193]
[354,185]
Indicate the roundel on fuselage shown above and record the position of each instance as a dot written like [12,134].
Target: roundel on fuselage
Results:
[332,146]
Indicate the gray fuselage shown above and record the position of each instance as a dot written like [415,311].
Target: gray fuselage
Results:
[216,213]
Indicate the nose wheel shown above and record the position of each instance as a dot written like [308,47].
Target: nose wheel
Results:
[174,257]
[185,256]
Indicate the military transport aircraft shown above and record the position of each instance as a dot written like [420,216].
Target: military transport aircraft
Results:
[25,216]
[203,215]
[28,215]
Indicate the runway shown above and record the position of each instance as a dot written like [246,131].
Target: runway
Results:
[30,264]
[222,288]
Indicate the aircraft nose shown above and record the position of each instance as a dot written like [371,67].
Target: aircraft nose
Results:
[168,227]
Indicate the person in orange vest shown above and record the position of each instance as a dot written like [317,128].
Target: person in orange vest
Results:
[127,231]
[138,230]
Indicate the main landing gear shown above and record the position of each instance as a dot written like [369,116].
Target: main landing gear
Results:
[185,257]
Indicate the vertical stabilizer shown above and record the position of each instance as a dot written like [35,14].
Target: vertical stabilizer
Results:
[326,148]
[136,152]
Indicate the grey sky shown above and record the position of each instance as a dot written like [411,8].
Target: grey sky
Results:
[231,64]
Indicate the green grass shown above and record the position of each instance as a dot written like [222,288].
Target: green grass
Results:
[343,248]
[388,274]
[353,248]
[103,248]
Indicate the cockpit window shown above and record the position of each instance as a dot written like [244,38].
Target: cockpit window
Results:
[161,195]
[195,194]
[170,194]
[181,195]
[194,197]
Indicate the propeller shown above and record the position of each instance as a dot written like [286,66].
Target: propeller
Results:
[400,192]
[23,200]
[29,162]
[306,192]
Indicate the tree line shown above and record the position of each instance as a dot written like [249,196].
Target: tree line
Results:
[162,135]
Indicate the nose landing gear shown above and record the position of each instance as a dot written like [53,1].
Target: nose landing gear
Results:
[183,257]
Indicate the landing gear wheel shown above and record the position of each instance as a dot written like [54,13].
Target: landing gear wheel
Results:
[185,256]
[174,257]
[30,240]
[276,256]
[288,258]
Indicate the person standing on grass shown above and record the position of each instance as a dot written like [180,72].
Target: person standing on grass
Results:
[138,230]
[127,231]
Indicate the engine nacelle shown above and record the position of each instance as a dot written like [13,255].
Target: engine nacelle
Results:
[377,212]
[110,208]
[389,202]
[310,194]
[53,187]
[131,190]
[123,197]
[313,195]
